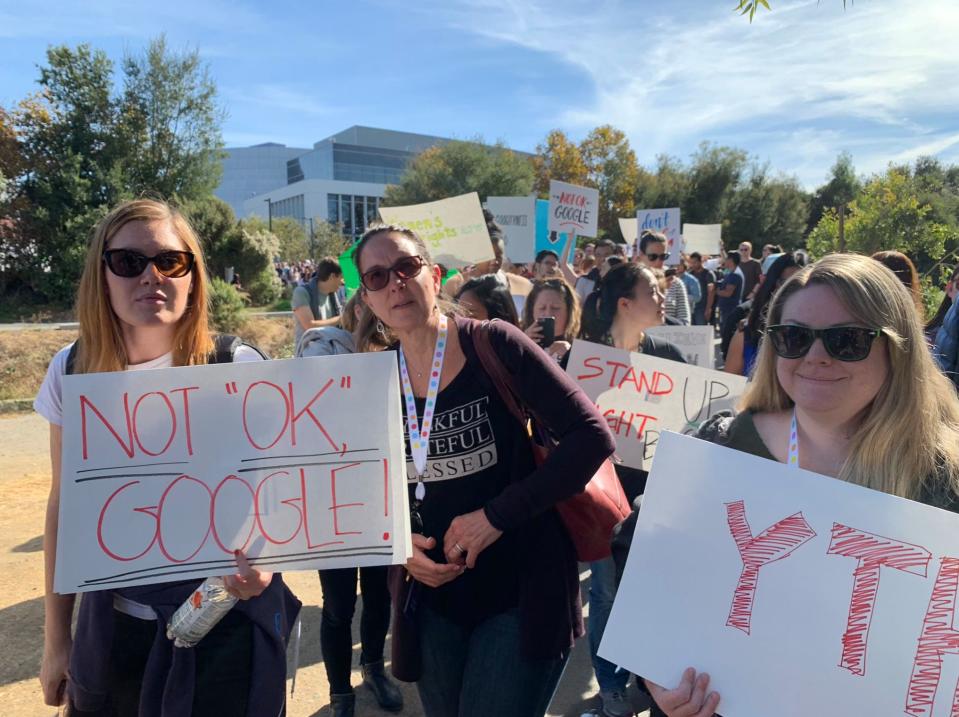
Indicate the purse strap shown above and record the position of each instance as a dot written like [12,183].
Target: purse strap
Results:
[496,370]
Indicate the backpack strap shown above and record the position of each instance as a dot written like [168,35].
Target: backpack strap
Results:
[72,358]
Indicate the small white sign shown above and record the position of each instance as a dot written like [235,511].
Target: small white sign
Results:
[641,396]
[696,342]
[516,216]
[707,239]
[573,209]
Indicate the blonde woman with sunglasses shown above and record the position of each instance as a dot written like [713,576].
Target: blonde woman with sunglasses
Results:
[844,365]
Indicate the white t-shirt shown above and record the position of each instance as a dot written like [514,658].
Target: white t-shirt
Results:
[49,400]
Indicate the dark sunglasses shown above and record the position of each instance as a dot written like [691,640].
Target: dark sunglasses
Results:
[405,269]
[129,264]
[657,257]
[843,343]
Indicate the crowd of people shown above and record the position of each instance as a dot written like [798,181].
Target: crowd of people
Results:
[485,613]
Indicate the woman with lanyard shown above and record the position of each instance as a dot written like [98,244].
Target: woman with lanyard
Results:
[626,302]
[843,386]
[492,594]
[142,304]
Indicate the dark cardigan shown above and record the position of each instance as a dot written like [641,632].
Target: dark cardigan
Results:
[551,614]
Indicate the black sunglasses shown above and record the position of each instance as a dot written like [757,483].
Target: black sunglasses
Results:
[843,343]
[405,269]
[657,257]
[129,264]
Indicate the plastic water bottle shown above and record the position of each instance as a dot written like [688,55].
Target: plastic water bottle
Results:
[205,607]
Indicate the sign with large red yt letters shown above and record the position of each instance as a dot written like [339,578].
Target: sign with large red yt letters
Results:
[799,594]
[167,472]
[641,396]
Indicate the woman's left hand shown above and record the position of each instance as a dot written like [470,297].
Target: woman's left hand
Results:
[467,537]
[249,582]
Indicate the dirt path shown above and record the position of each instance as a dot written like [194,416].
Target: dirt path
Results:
[24,482]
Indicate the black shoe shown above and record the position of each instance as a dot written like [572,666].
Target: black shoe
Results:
[387,694]
[342,705]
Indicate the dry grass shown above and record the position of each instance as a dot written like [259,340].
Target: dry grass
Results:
[25,355]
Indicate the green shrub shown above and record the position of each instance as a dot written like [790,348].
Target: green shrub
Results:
[265,287]
[227,310]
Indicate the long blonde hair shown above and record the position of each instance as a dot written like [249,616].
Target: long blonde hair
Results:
[101,346]
[910,431]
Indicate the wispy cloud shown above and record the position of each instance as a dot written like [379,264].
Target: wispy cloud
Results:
[805,76]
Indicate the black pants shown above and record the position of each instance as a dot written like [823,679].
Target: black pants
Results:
[339,603]
[223,667]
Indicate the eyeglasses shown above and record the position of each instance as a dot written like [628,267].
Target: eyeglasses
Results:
[405,269]
[129,264]
[843,343]
[657,257]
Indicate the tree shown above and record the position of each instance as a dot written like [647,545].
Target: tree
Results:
[558,158]
[458,167]
[611,167]
[67,135]
[767,210]
[170,122]
[887,214]
[714,175]
[667,187]
[215,224]
[840,190]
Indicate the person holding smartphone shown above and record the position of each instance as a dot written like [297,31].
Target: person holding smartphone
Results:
[551,316]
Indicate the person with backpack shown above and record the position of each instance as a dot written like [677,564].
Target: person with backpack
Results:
[142,304]
[316,302]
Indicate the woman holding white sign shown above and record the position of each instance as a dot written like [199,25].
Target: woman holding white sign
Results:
[142,304]
[487,607]
[843,386]
[626,302]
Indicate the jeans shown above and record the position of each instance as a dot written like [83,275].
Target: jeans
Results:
[602,590]
[479,671]
[699,316]
[336,635]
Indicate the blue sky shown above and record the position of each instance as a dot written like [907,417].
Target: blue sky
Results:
[796,87]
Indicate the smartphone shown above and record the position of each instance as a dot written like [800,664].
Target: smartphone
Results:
[548,323]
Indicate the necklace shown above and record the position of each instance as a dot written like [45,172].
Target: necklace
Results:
[420,438]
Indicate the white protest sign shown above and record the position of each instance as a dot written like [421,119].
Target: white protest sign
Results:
[166,472]
[517,218]
[630,230]
[641,396]
[799,594]
[696,342]
[707,239]
[665,221]
[454,229]
[573,209]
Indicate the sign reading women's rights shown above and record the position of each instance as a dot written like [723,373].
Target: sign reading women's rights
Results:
[454,228]
[516,216]
[696,342]
[165,473]
[665,221]
[799,594]
[641,396]
[573,209]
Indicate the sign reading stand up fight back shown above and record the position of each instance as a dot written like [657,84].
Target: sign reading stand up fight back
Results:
[799,594]
[454,228]
[573,209]
[641,396]
[165,473]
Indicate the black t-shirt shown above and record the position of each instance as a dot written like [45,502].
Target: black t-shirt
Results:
[472,444]
[705,278]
